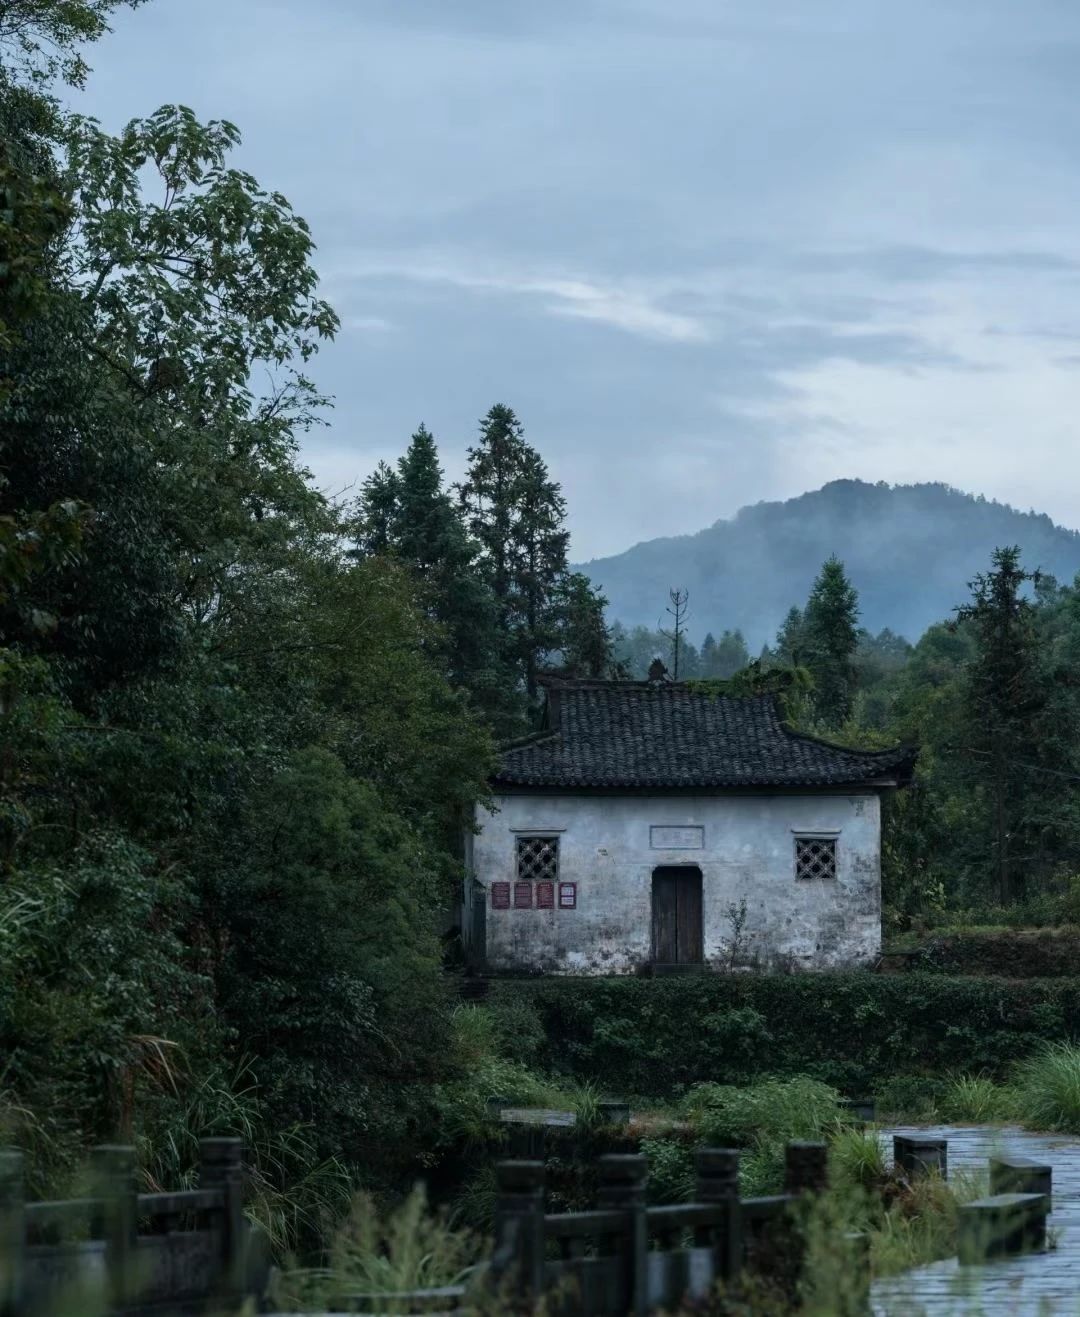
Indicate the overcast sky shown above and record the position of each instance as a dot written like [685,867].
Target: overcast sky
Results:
[711,251]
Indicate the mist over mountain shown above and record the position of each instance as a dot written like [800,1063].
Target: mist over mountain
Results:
[909,550]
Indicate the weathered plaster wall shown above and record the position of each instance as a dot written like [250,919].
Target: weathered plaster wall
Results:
[748,852]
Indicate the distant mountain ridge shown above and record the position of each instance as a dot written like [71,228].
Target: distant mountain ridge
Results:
[909,550]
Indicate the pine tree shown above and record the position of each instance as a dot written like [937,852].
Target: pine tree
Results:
[790,649]
[588,643]
[830,629]
[517,513]
[377,512]
[709,665]
[490,495]
[409,514]
[731,654]
[1003,697]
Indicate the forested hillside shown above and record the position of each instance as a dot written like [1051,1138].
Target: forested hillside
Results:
[907,549]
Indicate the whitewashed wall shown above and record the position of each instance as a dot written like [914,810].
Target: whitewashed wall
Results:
[747,851]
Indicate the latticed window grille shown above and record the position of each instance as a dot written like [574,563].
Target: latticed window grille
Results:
[815,857]
[537,859]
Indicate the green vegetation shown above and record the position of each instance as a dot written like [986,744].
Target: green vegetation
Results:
[1047,1087]
[241,727]
[383,1256]
[855,1031]
[1015,953]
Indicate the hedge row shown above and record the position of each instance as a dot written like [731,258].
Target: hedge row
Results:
[1008,952]
[653,1037]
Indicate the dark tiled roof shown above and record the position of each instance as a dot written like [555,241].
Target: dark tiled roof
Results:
[633,734]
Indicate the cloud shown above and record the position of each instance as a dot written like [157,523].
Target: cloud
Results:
[631,309]
[366,324]
[711,253]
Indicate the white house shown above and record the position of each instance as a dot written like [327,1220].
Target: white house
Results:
[626,836]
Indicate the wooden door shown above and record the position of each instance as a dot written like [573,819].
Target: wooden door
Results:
[676,913]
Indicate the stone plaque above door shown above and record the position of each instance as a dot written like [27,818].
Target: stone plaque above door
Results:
[665,838]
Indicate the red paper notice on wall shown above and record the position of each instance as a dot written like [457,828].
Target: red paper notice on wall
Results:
[500,896]
[523,896]
[545,896]
[568,896]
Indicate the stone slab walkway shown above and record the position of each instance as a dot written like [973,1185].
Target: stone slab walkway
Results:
[1022,1287]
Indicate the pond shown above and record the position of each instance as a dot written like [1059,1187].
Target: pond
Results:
[1037,1284]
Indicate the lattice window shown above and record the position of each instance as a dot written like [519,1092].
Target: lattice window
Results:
[537,859]
[815,857]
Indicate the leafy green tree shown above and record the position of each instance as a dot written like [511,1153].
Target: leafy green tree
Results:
[231,763]
[830,631]
[43,38]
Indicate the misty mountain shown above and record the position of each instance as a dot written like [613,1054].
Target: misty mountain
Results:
[910,551]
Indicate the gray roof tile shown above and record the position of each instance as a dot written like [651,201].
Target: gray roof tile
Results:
[636,734]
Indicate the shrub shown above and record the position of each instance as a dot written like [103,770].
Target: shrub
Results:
[910,1097]
[1020,953]
[518,1030]
[852,1030]
[1048,1088]
[671,1170]
[784,1109]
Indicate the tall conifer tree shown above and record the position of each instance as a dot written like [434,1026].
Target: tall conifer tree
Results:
[1003,696]
[830,629]
[407,512]
[517,513]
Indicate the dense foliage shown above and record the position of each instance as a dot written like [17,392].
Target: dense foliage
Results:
[235,760]
[853,1030]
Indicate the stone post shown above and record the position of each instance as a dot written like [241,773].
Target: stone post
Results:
[623,1181]
[221,1167]
[917,1155]
[806,1168]
[718,1183]
[519,1225]
[12,1233]
[114,1171]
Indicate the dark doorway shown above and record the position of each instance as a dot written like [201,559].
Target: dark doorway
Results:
[676,915]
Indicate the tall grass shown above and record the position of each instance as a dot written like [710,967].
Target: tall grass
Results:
[383,1258]
[294,1194]
[856,1158]
[1048,1088]
[978,1099]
